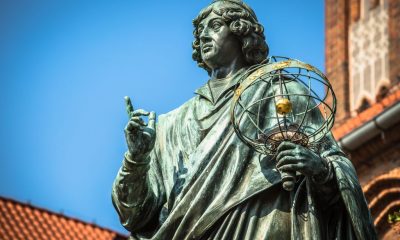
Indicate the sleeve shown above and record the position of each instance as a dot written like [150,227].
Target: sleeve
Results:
[351,195]
[330,151]
[138,193]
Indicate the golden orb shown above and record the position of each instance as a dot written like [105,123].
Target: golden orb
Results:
[283,106]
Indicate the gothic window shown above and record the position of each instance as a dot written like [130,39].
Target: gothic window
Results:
[378,70]
[367,79]
[368,51]
[356,88]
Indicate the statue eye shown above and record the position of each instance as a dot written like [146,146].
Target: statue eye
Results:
[200,29]
[216,25]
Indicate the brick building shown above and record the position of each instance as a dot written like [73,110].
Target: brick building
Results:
[363,64]
[24,221]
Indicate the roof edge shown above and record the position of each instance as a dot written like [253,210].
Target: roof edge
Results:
[380,123]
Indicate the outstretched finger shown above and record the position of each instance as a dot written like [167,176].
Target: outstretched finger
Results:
[129,107]
[152,121]
[139,112]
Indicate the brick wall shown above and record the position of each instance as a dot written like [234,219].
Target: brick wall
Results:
[378,156]
[394,41]
[355,8]
[336,52]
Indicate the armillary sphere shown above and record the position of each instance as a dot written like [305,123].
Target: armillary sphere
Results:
[283,100]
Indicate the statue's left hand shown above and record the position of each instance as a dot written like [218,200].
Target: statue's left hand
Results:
[293,157]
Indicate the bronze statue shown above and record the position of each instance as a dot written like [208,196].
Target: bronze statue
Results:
[191,177]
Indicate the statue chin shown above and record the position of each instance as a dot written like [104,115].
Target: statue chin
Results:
[209,58]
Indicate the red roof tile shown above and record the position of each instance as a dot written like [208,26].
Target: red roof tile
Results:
[352,123]
[23,221]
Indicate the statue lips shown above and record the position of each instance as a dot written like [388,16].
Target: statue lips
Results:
[206,48]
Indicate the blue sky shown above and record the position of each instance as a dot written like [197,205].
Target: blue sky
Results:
[65,67]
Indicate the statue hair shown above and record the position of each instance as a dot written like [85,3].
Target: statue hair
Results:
[243,23]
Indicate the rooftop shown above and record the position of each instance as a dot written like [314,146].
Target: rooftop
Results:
[23,221]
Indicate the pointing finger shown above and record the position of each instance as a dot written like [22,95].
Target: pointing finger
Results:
[152,121]
[129,107]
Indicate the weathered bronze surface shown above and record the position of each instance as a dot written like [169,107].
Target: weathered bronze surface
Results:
[191,177]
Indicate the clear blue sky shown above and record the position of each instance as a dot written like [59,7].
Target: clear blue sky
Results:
[65,67]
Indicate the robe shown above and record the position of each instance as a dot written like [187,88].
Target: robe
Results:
[203,182]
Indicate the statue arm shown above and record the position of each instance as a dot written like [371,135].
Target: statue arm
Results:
[138,193]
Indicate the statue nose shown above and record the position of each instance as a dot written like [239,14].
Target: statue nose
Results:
[204,35]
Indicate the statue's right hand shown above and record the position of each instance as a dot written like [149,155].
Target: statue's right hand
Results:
[140,137]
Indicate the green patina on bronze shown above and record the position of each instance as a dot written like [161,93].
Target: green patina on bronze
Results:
[191,177]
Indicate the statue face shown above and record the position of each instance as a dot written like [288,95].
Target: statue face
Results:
[218,45]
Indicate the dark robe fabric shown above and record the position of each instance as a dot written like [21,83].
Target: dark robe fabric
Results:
[203,182]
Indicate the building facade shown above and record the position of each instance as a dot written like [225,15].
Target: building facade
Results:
[363,64]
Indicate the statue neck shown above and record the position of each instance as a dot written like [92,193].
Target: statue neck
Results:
[228,70]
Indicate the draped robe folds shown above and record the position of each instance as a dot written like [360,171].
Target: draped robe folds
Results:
[203,182]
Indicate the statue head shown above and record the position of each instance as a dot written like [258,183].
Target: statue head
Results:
[243,25]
